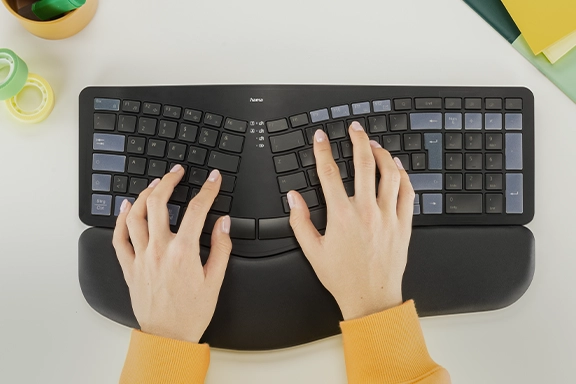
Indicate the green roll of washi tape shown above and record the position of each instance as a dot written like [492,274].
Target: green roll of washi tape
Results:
[17,74]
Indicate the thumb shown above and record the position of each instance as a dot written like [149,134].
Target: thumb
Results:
[220,248]
[306,233]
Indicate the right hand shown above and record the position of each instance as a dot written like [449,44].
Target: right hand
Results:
[362,256]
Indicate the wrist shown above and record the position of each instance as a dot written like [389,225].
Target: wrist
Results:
[361,308]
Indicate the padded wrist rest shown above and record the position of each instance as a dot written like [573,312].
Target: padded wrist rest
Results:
[277,301]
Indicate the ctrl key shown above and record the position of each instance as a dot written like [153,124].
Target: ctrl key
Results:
[101,205]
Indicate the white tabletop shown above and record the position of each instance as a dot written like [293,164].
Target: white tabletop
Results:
[49,334]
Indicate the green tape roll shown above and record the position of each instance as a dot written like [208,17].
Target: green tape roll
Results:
[17,75]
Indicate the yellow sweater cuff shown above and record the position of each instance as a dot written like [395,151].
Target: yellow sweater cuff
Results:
[388,347]
[153,360]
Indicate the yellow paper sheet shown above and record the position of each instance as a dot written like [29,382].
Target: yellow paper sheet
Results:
[554,52]
[543,22]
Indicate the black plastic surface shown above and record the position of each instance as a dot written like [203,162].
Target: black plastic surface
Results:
[277,302]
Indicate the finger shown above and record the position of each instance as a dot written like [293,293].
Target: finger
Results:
[389,180]
[198,207]
[328,172]
[405,209]
[364,164]
[137,219]
[306,233]
[220,248]
[121,241]
[156,204]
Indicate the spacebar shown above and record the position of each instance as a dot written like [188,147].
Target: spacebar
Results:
[279,227]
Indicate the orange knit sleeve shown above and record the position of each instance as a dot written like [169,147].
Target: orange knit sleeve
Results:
[154,360]
[388,347]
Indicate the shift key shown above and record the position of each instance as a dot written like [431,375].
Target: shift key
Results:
[463,203]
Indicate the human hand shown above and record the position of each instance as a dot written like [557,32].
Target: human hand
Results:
[362,256]
[172,294]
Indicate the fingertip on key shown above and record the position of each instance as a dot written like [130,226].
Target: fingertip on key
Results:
[320,136]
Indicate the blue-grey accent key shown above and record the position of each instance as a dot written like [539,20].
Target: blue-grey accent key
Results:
[513,121]
[112,163]
[433,144]
[173,212]
[425,121]
[381,106]
[473,121]
[513,151]
[432,203]
[361,108]
[107,142]
[319,115]
[493,121]
[340,111]
[118,202]
[453,121]
[101,205]
[101,183]
[416,210]
[416,204]
[514,193]
[426,181]
[106,104]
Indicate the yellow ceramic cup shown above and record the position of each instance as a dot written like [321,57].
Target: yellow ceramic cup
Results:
[61,28]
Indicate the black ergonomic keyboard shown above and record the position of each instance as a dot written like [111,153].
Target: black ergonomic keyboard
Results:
[469,152]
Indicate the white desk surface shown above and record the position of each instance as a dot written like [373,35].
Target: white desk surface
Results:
[49,334]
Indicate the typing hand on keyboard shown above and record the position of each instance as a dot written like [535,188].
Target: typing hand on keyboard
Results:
[172,294]
[362,256]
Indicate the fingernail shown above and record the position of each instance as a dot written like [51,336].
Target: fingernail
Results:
[123,205]
[154,183]
[375,144]
[356,126]
[176,168]
[226,224]
[398,163]
[291,200]
[213,175]
[320,136]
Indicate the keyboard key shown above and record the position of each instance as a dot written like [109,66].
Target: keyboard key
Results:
[277,125]
[514,193]
[310,133]
[399,122]
[172,111]
[391,143]
[236,125]
[513,103]
[428,103]
[167,128]
[412,141]
[197,176]
[232,143]
[222,203]
[377,124]
[299,120]
[473,121]
[213,120]
[274,228]
[402,104]
[126,124]
[136,145]
[287,141]
[418,161]
[473,103]
[453,121]
[157,168]
[100,182]
[343,170]
[473,161]
[454,161]
[453,140]
[228,183]
[111,163]
[307,157]
[336,130]
[426,181]
[118,203]
[473,181]
[104,121]
[318,218]
[494,141]
[494,181]
[187,133]
[208,137]
[131,106]
[513,121]
[180,194]
[101,205]
[431,203]
[101,104]
[494,203]
[514,151]
[334,147]
[340,111]
[349,188]
[494,161]
[493,104]
[433,144]
[106,142]
[294,181]
[192,115]
[151,109]
[311,198]
[319,115]
[286,163]
[463,203]
[156,148]
[120,184]
[359,120]
[493,121]
[137,185]
[242,228]
[223,162]
[454,181]
[147,126]
[381,106]
[136,165]
[473,141]
[346,149]
[313,177]
[173,212]
[197,155]
[453,103]
[361,108]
